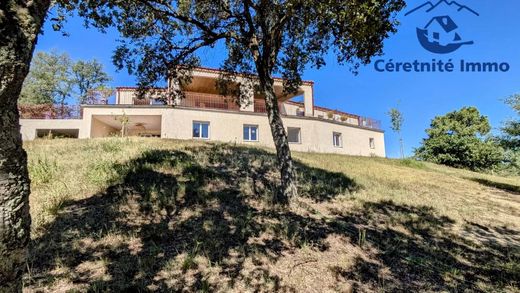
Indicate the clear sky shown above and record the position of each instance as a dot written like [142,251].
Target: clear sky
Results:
[422,95]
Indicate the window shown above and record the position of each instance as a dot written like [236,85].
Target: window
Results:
[372,143]
[250,132]
[336,139]
[293,134]
[201,130]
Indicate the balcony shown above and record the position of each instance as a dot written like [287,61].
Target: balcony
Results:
[208,101]
[200,101]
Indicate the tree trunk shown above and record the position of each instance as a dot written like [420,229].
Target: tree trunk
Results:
[283,152]
[20,23]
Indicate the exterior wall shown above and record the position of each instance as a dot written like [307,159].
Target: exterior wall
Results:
[316,135]
[28,127]
[125,97]
[290,109]
[226,126]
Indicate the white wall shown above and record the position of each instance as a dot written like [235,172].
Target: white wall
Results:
[28,127]
[316,134]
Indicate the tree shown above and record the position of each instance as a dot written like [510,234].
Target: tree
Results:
[49,80]
[397,120]
[20,24]
[511,128]
[457,140]
[510,138]
[262,38]
[98,95]
[88,75]
[54,78]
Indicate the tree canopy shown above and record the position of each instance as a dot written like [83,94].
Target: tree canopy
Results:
[55,78]
[510,137]
[281,36]
[161,39]
[511,128]
[48,80]
[457,139]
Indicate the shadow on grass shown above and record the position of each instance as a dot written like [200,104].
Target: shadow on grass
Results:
[503,186]
[418,252]
[199,219]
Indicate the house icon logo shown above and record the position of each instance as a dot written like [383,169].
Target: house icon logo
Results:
[441,33]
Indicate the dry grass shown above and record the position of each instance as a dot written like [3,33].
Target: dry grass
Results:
[161,215]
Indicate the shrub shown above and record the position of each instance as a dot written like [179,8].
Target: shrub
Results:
[455,140]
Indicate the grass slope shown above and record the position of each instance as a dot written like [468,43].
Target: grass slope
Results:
[162,215]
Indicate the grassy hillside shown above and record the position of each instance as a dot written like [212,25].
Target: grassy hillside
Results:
[150,214]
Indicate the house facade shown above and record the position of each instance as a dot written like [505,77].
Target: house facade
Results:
[203,114]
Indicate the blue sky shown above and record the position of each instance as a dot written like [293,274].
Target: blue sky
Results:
[422,95]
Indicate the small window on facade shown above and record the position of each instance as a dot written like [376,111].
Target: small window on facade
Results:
[250,132]
[337,140]
[293,134]
[201,130]
[372,143]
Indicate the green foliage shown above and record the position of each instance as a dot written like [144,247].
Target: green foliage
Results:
[510,138]
[261,37]
[511,129]
[456,139]
[54,78]
[48,80]
[396,118]
[88,75]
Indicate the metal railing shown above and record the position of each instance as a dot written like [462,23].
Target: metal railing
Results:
[191,100]
[208,101]
[369,123]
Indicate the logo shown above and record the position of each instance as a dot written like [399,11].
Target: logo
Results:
[441,33]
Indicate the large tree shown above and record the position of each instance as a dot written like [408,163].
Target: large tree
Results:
[510,138]
[49,80]
[20,24]
[55,78]
[457,139]
[88,76]
[261,38]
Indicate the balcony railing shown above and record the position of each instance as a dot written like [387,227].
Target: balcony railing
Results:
[208,101]
[191,100]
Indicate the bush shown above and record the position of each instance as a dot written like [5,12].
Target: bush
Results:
[456,140]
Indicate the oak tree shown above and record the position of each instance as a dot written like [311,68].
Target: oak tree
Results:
[20,25]
[262,38]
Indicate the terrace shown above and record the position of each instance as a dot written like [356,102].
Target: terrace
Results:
[201,101]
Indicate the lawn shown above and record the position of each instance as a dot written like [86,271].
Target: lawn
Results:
[164,215]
